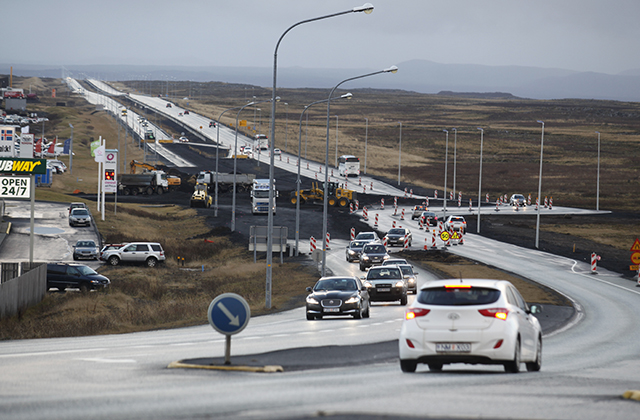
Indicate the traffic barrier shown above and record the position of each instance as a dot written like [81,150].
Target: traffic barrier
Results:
[395,201]
[359,180]
[364,189]
[280,158]
[353,233]
[551,203]
[357,205]
[448,242]
[470,208]
[371,188]
[346,184]
[375,223]
[350,208]
[546,202]
[331,172]
[327,240]
[435,194]
[450,195]
[393,224]
[365,214]
[425,244]
[497,205]
[405,192]
[537,202]
[402,215]
[486,198]
[433,239]
[420,224]
[411,193]
[287,159]
[316,176]
[426,203]
[382,204]
[320,169]
[307,165]
[460,199]
[406,242]
[505,199]
[594,262]
[395,210]
[312,243]
[529,200]
[384,241]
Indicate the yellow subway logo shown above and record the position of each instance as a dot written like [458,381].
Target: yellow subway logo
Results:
[34,166]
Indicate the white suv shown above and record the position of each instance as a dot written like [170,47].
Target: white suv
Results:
[150,253]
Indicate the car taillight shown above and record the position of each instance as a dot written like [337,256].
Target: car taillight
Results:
[415,313]
[500,313]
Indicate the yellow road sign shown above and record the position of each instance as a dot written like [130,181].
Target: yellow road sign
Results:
[635,246]
[242,123]
[635,257]
[633,267]
[456,235]
[444,236]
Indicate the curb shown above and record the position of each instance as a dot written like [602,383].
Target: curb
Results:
[263,369]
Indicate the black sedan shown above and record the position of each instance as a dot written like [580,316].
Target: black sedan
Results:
[397,236]
[354,249]
[338,296]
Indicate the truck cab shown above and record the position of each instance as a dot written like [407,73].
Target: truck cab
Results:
[260,196]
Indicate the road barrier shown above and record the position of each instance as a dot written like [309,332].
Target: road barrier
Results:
[382,204]
[312,244]
[551,203]
[327,240]
[470,208]
[393,224]
[402,215]
[486,198]
[460,199]
[594,262]
[375,223]
[353,233]
[365,214]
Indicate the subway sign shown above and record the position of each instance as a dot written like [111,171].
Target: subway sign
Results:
[23,166]
[15,187]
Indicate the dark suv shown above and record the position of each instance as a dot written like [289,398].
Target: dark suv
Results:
[386,283]
[372,254]
[76,276]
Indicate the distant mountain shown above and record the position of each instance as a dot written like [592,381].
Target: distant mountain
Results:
[416,75]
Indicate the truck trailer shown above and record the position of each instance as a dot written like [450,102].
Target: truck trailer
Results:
[154,182]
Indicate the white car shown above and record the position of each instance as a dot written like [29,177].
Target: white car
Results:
[183,139]
[277,151]
[473,321]
[367,237]
[456,223]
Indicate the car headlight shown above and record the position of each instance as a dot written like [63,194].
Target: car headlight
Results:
[400,283]
[411,280]
[311,299]
[365,257]
[351,252]
[367,284]
[386,257]
[353,299]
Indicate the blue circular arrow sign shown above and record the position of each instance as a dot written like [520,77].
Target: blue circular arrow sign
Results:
[229,313]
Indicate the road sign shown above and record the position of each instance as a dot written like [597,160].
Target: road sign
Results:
[633,267]
[15,187]
[635,246]
[444,236]
[229,313]
[635,257]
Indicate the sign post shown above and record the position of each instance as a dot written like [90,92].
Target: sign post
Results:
[228,314]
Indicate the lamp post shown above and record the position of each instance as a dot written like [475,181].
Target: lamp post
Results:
[455,156]
[366,136]
[480,178]
[446,157]
[298,181]
[71,152]
[366,8]
[235,165]
[336,141]
[539,186]
[286,127]
[325,210]
[597,179]
[400,153]
[215,207]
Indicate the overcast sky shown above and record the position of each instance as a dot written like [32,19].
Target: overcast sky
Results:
[584,35]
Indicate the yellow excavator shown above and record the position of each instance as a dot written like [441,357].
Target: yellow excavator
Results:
[174,181]
[337,196]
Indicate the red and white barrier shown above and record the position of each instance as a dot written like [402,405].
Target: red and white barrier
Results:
[327,240]
[357,205]
[425,244]
[395,201]
[287,159]
[420,224]
[497,205]
[359,180]
[537,202]
[426,203]
[393,224]
[470,207]
[411,193]
[486,198]
[353,234]
[529,200]
[375,223]
[312,243]
[594,262]
[307,165]
[316,176]
[406,242]
[331,172]
[382,204]
[435,194]
[350,208]
[371,188]
[365,214]
[546,202]
[402,215]
[405,192]
[364,189]
[433,239]
[460,199]
[550,203]
[384,241]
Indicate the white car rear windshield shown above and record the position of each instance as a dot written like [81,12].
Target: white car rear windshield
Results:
[461,296]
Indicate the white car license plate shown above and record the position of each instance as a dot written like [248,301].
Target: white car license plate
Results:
[332,309]
[383,289]
[453,347]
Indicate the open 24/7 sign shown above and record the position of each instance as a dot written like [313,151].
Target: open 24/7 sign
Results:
[15,187]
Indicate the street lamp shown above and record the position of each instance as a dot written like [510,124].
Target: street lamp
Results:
[366,136]
[235,165]
[298,181]
[539,187]
[336,141]
[71,152]
[286,127]
[325,210]
[597,179]
[480,178]
[399,153]
[455,156]
[366,8]
[446,157]
[215,208]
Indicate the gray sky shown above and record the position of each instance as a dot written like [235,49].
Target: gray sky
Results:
[583,35]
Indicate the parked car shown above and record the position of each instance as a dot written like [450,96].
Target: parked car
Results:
[80,217]
[470,321]
[338,296]
[149,253]
[64,276]
[354,249]
[429,218]
[372,254]
[396,236]
[76,205]
[386,283]
[417,211]
[518,200]
[456,223]
[410,277]
[367,237]
[85,248]
[56,166]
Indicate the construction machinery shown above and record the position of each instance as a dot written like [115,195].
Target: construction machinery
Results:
[200,196]
[173,180]
[337,196]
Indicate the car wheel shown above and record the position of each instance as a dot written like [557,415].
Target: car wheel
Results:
[75,257]
[513,366]
[151,262]
[408,366]
[361,267]
[348,259]
[358,315]
[84,287]
[113,260]
[435,367]
[536,364]
[310,317]
[367,314]
[403,300]
[318,316]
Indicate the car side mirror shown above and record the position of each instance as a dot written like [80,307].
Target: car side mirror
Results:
[535,309]
[308,289]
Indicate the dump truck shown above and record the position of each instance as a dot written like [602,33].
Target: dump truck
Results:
[173,180]
[201,197]
[337,195]
[148,183]
[225,181]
